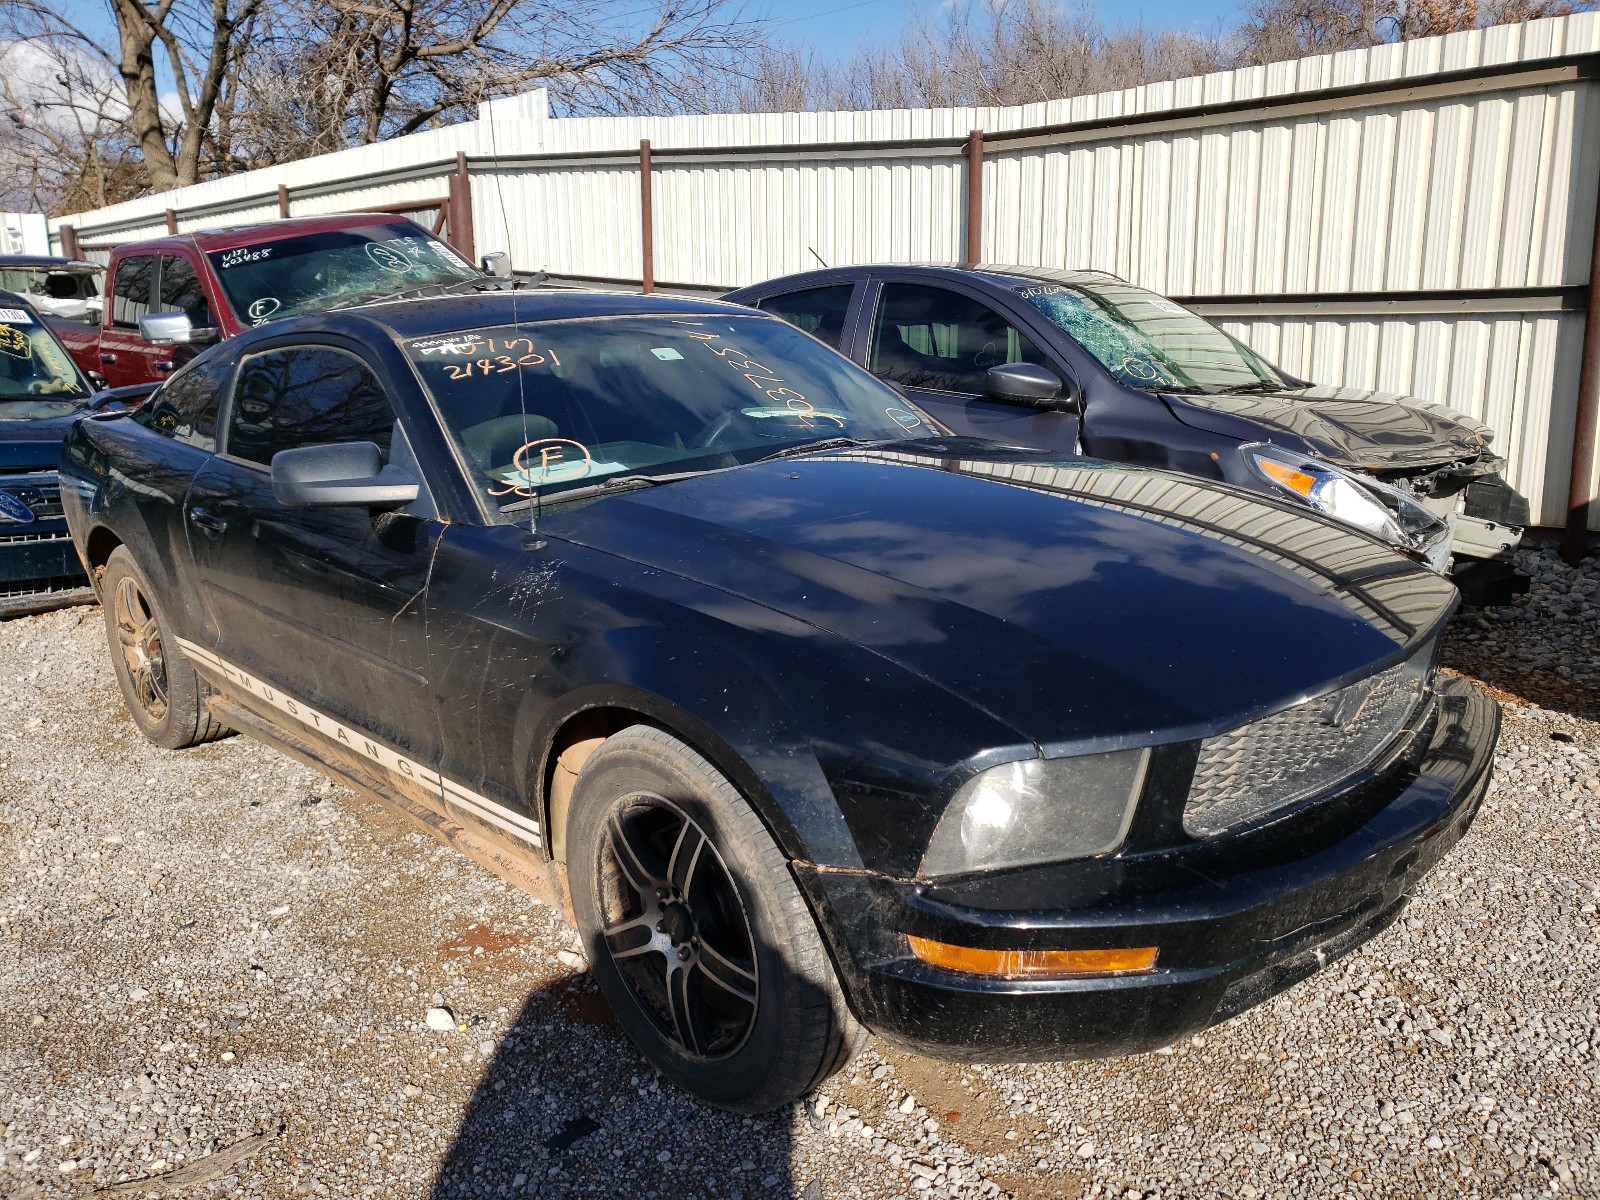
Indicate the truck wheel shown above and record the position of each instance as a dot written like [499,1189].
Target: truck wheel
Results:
[165,697]
[699,936]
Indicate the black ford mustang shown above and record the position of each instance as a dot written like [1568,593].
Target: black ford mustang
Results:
[814,718]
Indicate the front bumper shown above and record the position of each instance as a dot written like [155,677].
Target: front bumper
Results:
[39,569]
[1227,941]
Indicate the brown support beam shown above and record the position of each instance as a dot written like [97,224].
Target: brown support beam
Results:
[69,241]
[647,217]
[461,235]
[1576,536]
[974,197]
[172,221]
[283,200]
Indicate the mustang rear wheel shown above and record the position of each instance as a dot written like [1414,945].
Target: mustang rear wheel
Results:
[165,698]
[699,936]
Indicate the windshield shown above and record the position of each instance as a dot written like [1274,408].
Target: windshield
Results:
[342,266]
[1149,342]
[544,408]
[37,377]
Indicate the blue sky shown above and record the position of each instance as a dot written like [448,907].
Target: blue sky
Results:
[838,26]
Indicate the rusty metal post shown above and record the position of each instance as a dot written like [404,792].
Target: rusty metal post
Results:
[974,198]
[172,221]
[1575,538]
[647,217]
[283,200]
[69,241]
[461,233]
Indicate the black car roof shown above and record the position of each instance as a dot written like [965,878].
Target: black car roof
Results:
[15,300]
[456,313]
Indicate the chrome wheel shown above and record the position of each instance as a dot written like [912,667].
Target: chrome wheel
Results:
[676,928]
[143,656]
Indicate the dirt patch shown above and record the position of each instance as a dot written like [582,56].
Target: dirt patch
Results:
[480,941]
[967,1112]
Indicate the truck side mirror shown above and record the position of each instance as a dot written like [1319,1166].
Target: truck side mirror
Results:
[496,263]
[1033,386]
[174,329]
[347,474]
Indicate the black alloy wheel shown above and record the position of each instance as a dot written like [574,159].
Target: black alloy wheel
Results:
[677,929]
[698,933]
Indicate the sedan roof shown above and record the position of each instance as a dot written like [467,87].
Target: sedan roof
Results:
[475,310]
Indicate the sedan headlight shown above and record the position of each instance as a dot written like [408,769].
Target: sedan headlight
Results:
[1353,499]
[1038,810]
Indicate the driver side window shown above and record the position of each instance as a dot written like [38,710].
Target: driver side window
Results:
[933,338]
[305,396]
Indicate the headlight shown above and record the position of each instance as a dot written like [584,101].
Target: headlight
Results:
[1039,810]
[1356,500]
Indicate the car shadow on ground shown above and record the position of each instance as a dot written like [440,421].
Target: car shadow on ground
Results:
[567,1107]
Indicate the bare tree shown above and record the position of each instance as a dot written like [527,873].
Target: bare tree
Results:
[1284,29]
[65,145]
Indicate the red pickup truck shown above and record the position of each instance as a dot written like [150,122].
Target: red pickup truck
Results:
[166,297]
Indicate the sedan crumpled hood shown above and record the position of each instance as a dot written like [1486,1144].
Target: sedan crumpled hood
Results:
[1075,601]
[1353,427]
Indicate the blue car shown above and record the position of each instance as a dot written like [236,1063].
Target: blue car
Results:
[1083,362]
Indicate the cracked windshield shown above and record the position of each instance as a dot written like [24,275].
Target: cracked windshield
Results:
[1148,341]
[552,407]
[325,270]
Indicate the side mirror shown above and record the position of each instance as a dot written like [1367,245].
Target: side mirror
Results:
[350,474]
[174,329]
[1032,385]
[496,263]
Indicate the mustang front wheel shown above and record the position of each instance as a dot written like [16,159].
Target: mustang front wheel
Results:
[699,936]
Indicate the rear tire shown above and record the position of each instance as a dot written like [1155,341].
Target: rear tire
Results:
[164,695]
[699,936]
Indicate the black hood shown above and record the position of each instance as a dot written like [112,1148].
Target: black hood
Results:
[1374,431]
[1108,603]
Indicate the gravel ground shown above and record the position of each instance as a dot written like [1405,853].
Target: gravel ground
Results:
[216,970]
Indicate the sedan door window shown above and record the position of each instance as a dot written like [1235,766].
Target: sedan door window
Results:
[819,311]
[305,396]
[933,338]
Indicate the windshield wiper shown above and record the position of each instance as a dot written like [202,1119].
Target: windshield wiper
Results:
[838,443]
[612,483]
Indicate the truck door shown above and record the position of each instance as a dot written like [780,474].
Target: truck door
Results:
[178,289]
[125,357]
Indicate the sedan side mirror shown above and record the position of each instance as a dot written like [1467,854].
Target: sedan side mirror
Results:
[496,263]
[349,474]
[174,329]
[1034,386]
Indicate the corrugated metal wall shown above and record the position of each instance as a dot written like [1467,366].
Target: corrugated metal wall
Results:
[1431,188]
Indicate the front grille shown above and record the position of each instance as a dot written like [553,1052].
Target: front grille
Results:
[16,539]
[1272,764]
[44,587]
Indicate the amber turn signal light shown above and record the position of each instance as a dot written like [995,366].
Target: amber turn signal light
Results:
[1033,963]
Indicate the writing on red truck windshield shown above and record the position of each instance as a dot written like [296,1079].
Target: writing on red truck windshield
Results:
[316,271]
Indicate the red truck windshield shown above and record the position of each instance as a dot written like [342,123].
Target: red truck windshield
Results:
[296,275]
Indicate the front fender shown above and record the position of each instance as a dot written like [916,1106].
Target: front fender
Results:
[703,691]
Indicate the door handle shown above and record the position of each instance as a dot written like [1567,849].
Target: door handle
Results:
[207,520]
[107,356]
[163,364]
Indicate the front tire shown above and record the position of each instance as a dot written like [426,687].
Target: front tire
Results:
[699,936]
[164,695]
